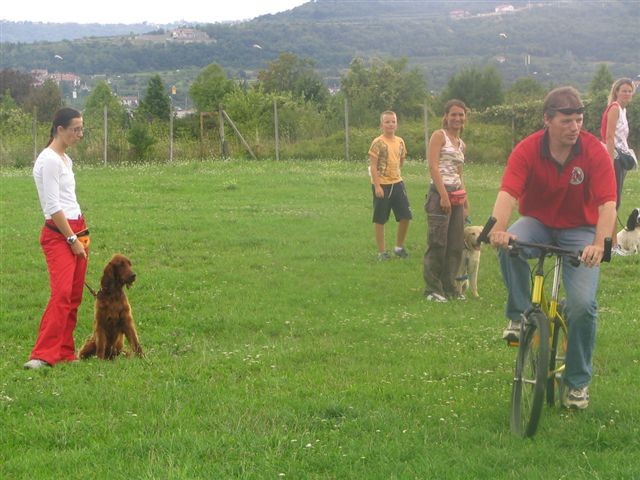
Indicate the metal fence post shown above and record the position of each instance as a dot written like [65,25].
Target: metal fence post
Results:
[35,134]
[276,127]
[223,143]
[426,132]
[171,133]
[106,138]
[346,129]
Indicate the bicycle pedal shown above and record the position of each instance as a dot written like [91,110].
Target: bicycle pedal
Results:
[511,343]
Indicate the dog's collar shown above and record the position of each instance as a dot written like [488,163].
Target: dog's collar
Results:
[471,247]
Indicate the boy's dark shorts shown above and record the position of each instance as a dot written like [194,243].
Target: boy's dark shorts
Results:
[395,198]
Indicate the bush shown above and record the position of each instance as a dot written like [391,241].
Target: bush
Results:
[487,143]
[141,140]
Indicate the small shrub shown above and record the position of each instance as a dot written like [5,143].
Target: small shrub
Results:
[141,140]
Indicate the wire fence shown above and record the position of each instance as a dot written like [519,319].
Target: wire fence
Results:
[281,133]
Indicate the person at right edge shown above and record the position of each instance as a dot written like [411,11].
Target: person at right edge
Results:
[614,131]
[562,179]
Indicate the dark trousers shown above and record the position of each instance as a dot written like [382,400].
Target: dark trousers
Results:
[445,242]
[620,174]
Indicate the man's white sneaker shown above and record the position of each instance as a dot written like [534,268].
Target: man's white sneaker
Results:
[576,398]
[512,332]
[35,363]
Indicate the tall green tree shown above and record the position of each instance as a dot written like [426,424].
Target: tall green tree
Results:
[46,99]
[291,74]
[382,85]
[596,102]
[100,97]
[156,104]
[601,81]
[524,89]
[15,84]
[478,88]
[210,87]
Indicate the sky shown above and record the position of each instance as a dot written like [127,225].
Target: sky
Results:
[138,11]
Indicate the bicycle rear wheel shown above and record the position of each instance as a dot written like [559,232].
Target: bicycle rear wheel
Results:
[555,383]
[529,382]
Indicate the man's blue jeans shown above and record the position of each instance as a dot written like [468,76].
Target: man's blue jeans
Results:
[580,284]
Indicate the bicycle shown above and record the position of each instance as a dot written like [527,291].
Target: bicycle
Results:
[542,343]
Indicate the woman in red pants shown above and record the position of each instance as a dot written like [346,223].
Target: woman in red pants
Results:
[66,256]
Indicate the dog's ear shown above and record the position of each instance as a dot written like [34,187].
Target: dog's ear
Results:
[109,277]
[633,221]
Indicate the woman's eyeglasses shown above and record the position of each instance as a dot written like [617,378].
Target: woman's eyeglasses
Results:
[77,130]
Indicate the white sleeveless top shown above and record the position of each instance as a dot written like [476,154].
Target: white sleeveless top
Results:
[622,131]
[451,158]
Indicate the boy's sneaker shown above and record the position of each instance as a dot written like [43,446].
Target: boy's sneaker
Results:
[383,256]
[576,398]
[34,364]
[618,250]
[512,332]
[400,252]
[436,297]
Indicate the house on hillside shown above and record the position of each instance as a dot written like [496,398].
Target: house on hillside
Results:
[71,78]
[504,9]
[130,102]
[457,14]
[40,75]
[188,35]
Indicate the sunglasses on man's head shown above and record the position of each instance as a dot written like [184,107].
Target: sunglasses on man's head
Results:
[568,111]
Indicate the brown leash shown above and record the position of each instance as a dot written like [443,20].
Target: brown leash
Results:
[93,292]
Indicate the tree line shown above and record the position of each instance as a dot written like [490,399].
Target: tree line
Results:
[311,119]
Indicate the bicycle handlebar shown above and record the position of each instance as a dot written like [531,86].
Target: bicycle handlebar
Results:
[548,249]
[484,235]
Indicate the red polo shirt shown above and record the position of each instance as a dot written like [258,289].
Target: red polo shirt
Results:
[560,196]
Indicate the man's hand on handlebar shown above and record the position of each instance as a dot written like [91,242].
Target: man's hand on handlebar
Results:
[592,255]
[501,239]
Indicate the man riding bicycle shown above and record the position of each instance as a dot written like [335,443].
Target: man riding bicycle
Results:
[563,182]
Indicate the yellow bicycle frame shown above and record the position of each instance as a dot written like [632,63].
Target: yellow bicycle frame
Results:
[549,306]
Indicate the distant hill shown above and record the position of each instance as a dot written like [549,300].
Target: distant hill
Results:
[559,41]
[30,32]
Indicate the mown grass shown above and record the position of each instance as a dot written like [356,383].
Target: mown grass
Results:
[277,347]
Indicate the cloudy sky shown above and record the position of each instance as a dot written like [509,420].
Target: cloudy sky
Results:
[138,11]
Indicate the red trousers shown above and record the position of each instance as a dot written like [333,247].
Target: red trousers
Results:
[66,281]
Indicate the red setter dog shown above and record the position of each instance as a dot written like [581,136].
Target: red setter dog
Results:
[112,320]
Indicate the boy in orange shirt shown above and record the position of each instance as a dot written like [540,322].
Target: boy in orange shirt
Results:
[386,155]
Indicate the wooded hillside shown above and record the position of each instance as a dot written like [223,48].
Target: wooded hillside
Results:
[559,41]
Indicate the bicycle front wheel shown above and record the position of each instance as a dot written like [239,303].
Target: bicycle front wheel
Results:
[529,382]
[558,353]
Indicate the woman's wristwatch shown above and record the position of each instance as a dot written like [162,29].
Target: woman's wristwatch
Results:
[72,239]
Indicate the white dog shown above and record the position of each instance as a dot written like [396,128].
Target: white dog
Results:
[629,236]
[467,277]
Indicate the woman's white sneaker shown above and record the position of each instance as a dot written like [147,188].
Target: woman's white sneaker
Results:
[436,297]
[35,363]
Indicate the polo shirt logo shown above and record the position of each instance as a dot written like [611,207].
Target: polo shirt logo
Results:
[577,176]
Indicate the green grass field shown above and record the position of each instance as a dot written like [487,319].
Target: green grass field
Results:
[277,347]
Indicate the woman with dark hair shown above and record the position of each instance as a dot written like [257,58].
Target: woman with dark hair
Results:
[614,131]
[446,206]
[65,254]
